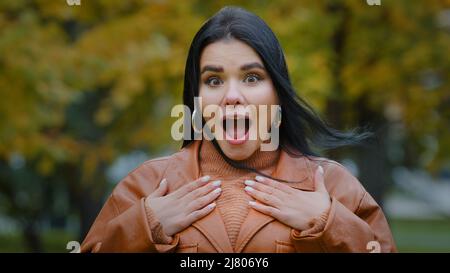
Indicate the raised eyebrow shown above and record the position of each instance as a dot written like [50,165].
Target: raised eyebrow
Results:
[212,68]
[252,65]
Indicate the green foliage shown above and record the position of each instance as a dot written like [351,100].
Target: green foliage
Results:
[131,55]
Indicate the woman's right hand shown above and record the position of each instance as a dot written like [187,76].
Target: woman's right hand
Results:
[179,209]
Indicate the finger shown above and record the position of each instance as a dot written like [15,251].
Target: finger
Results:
[191,186]
[161,190]
[268,210]
[265,188]
[319,183]
[204,200]
[263,197]
[197,193]
[274,184]
[198,214]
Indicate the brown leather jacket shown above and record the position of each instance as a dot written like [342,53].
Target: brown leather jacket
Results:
[355,222]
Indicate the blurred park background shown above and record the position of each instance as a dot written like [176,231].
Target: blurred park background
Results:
[86,93]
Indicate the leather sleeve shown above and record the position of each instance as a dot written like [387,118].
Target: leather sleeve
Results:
[125,224]
[355,222]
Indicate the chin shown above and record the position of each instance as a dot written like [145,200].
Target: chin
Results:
[238,152]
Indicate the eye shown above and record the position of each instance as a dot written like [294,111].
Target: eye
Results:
[213,81]
[252,78]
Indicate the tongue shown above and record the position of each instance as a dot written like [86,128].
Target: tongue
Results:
[237,131]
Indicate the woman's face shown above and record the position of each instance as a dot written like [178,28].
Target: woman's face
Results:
[234,79]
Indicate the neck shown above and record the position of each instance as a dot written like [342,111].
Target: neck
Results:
[212,162]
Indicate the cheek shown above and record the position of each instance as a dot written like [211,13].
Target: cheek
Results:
[211,96]
[210,100]
[265,96]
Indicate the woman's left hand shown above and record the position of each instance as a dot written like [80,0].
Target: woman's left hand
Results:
[295,208]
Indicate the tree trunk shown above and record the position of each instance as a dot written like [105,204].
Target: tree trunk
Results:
[31,237]
[374,171]
[90,206]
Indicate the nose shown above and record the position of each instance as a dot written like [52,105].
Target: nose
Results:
[233,96]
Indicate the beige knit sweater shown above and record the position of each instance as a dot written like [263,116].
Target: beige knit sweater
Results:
[233,201]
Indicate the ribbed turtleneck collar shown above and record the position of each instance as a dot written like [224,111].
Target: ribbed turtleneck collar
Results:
[212,163]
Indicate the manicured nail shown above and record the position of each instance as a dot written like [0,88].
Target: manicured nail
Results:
[205,178]
[216,183]
[217,190]
[212,205]
[259,178]
[320,170]
[249,182]
[251,203]
[248,188]
[163,182]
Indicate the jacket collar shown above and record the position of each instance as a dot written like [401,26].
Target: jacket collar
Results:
[212,226]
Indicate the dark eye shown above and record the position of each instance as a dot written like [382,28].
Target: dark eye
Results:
[213,81]
[252,78]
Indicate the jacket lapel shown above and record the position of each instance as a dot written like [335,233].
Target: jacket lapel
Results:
[254,221]
[288,168]
[296,170]
[211,226]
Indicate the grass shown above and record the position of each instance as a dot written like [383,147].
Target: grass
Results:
[409,235]
[421,236]
[53,241]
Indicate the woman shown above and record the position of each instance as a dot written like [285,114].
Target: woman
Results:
[227,194]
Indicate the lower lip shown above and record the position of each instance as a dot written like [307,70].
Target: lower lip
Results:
[238,141]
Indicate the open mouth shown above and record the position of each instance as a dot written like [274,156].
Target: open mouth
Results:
[236,128]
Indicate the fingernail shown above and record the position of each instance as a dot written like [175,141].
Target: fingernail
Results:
[251,203]
[163,182]
[216,183]
[217,190]
[320,169]
[212,205]
[248,188]
[205,178]
[259,178]
[249,182]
